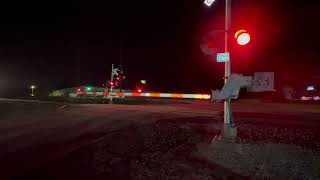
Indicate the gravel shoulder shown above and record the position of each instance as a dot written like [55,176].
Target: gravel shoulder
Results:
[168,149]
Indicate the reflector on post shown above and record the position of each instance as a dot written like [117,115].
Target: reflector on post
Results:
[208,2]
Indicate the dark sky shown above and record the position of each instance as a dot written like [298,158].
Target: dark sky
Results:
[58,44]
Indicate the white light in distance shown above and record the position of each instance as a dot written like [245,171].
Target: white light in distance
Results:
[311,88]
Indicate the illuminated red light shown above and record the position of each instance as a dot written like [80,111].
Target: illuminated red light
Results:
[243,37]
[139,90]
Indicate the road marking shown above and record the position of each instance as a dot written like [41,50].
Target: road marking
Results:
[32,101]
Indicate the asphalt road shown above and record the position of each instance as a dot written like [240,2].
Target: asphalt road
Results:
[33,132]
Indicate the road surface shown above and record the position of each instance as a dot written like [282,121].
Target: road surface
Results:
[33,133]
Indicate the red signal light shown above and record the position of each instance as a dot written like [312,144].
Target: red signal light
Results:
[242,37]
[139,90]
[118,78]
[111,83]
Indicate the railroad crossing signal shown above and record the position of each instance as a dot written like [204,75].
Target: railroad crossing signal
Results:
[115,72]
[242,37]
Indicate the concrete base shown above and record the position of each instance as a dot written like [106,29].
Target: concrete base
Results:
[229,133]
[228,140]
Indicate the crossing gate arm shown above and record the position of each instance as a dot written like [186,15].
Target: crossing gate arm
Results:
[152,95]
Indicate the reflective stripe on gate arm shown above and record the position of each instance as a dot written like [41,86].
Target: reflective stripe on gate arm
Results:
[159,95]
[120,94]
[177,95]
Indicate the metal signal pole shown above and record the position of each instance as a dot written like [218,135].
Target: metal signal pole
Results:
[227,103]
[229,130]
[111,86]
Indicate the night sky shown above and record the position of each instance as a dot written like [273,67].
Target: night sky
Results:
[60,44]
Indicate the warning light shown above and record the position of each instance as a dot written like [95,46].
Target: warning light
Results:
[242,37]
[139,90]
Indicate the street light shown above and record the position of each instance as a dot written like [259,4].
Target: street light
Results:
[32,87]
